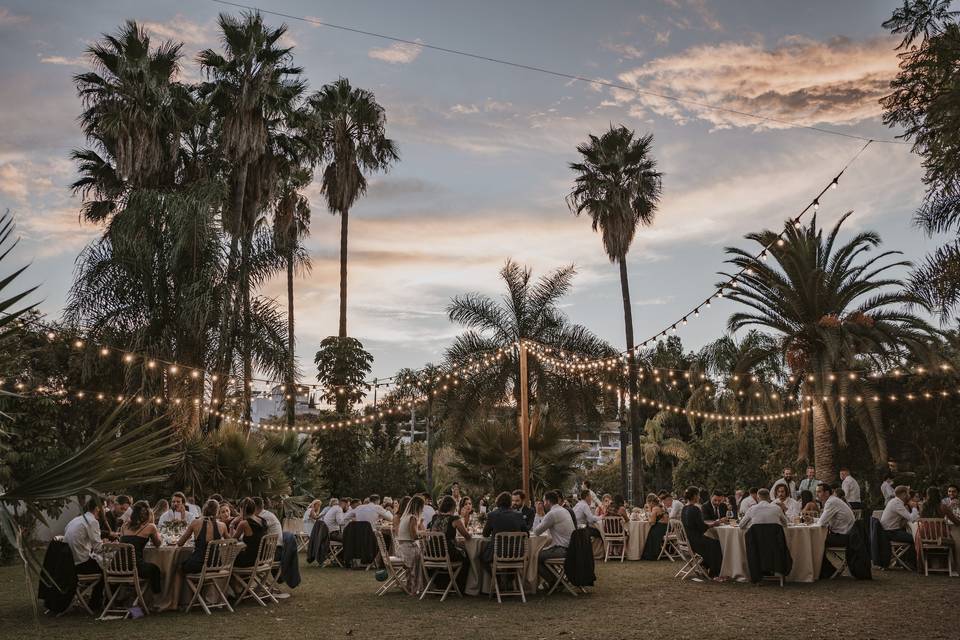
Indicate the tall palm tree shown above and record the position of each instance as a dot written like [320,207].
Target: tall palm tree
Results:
[529,311]
[350,131]
[617,184]
[830,309]
[423,388]
[252,87]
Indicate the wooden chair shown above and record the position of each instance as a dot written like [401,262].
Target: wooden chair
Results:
[614,537]
[669,546]
[838,553]
[933,536]
[214,577]
[299,530]
[557,568]
[254,582]
[898,551]
[509,560]
[396,570]
[436,560]
[119,571]
[86,584]
[335,557]
[692,562]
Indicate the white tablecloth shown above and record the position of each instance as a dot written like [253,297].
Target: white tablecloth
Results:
[805,543]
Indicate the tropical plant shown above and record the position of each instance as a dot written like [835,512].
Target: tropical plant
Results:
[299,461]
[926,103]
[529,311]
[423,389]
[244,464]
[618,186]
[350,132]
[831,310]
[342,368]
[719,460]
[660,449]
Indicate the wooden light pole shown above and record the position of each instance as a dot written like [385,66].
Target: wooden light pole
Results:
[524,421]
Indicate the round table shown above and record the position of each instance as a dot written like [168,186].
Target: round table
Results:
[637,531]
[955,535]
[174,593]
[806,544]
[479,572]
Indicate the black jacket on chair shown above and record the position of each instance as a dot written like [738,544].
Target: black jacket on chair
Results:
[501,521]
[579,565]
[879,544]
[767,551]
[858,554]
[319,546]
[359,543]
[58,580]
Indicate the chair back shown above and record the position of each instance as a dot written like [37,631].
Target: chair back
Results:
[219,557]
[682,544]
[510,546]
[120,560]
[382,547]
[613,527]
[434,547]
[267,551]
[932,531]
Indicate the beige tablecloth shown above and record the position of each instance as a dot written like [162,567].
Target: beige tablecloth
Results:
[479,572]
[805,544]
[174,593]
[637,531]
[955,534]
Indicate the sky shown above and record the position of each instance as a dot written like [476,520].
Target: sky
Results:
[485,148]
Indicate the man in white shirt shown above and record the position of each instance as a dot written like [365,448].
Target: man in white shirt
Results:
[370,511]
[193,507]
[787,480]
[887,489]
[83,534]
[748,502]
[952,499]
[838,519]
[851,488]
[177,511]
[428,510]
[789,506]
[671,506]
[560,525]
[764,512]
[897,516]
[333,518]
[584,510]
[272,521]
[810,482]
[594,501]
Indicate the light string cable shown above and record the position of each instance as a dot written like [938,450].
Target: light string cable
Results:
[558,74]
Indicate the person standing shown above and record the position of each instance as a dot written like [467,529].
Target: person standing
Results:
[584,510]
[851,488]
[787,480]
[887,489]
[809,483]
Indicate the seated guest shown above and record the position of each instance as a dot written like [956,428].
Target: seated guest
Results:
[593,497]
[203,529]
[716,508]
[695,527]
[748,501]
[370,511]
[502,519]
[192,506]
[401,509]
[897,516]
[333,518]
[272,521]
[605,503]
[519,502]
[138,532]
[788,482]
[618,507]
[672,506]
[428,510]
[809,506]
[465,509]
[224,514]
[82,535]
[160,508]
[113,518]
[448,521]
[409,526]
[249,528]
[658,518]
[952,499]
[935,507]
[177,512]
[538,514]
[836,516]
[790,506]
[584,509]
[560,524]
[764,512]
[312,514]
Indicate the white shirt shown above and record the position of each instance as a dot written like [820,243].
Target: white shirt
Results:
[558,523]
[851,490]
[584,513]
[888,491]
[171,516]
[333,518]
[369,512]
[837,516]
[896,516]
[763,513]
[273,525]
[745,504]
[82,535]
[537,519]
[793,506]
[791,487]
[427,515]
[676,508]
[194,510]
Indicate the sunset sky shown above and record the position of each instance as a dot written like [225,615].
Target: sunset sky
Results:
[485,148]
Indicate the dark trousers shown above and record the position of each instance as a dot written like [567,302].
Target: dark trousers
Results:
[827,568]
[900,535]
[152,574]
[712,554]
[336,535]
[547,554]
[91,566]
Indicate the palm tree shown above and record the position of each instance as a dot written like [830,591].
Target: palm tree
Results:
[529,311]
[618,186]
[830,309]
[657,447]
[351,135]
[423,388]
[252,89]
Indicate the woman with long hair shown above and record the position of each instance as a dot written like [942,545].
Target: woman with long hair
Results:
[160,508]
[138,531]
[249,528]
[449,522]
[658,519]
[409,526]
[203,529]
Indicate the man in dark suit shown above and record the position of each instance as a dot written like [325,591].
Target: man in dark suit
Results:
[695,527]
[716,508]
[520,504]
[503,519]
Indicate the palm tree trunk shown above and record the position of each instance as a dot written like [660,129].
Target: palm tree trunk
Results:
[624,438]
[636,461]
[824,447]
[429,457]
[291,359]
[246,340]
[344,219]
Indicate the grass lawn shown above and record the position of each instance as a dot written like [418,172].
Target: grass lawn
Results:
[631,600]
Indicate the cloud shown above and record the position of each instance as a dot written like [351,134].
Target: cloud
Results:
[8,19]
[181,29]
[702,16]
[837,81]
[627,51]
[391,188]
[13,182]
[397,53]
[78,61]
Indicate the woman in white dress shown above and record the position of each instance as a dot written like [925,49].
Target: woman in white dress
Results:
[408,532]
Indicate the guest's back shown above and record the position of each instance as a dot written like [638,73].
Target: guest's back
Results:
[504,520]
